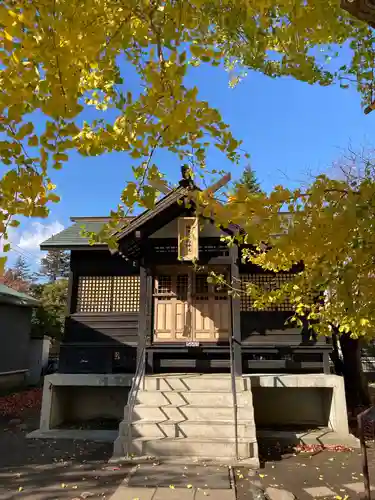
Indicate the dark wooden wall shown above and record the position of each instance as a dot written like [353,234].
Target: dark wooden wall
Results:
[102,327]
[98,342]
[107,342]
[15,326]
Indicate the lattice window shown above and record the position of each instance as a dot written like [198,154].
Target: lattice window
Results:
[165,249]
[125,294]
[94,294]
[164,285]
[268,282]
[221,291]
[201,283]
[182,286]
[201,287]
[214,249]
[98,294]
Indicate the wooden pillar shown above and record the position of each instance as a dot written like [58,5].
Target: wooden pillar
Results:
[71,301]
[142,321]
[145,309]
[236,310]
[148,331]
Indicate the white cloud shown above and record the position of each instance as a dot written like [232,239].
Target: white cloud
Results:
[31,239]
[26,243]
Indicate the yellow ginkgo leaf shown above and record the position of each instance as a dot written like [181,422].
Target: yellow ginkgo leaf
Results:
[171,486]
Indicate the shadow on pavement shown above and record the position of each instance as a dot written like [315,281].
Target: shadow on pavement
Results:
[51,470]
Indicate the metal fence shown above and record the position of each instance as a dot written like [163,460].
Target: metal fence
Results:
[368,360]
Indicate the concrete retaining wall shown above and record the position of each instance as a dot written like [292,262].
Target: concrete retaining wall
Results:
[289,406]
[68,398]
[281,401]
[300,399]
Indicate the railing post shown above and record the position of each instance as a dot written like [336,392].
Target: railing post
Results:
[361,433]
[234,396]
[138,378]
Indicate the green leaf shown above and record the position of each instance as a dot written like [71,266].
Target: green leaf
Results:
[25,130]
[3,261]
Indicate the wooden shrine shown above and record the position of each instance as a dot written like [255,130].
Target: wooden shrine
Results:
[149,293]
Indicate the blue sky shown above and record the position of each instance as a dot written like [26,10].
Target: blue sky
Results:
[289,128]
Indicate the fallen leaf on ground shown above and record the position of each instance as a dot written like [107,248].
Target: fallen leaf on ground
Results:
[87,494]
[16,403]
[189,486]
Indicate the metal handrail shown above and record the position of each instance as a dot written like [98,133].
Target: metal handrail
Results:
[234,395]
[132,398]
[360,420]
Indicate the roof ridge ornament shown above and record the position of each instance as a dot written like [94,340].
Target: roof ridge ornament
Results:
[186,176]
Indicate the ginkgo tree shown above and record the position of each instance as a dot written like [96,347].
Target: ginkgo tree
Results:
[60,57]
[327,232]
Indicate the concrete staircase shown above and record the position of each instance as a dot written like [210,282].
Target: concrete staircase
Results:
[189,416]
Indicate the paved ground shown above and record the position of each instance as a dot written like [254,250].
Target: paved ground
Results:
[35,469]
[323,476]
[48,470]
[66,470]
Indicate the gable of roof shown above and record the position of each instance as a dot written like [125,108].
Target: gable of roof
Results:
[165,202]
[71,238]
[10,296]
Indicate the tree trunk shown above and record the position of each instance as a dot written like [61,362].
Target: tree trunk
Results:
[356,386]
[335,356]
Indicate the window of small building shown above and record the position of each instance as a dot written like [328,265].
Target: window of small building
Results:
[100,294]
[267,282]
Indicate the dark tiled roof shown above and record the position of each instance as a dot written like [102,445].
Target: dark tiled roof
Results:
[168,200]
[10,296]
[71,238]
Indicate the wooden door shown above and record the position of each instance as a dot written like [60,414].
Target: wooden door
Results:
[172,320]
[211,311]
[188,308]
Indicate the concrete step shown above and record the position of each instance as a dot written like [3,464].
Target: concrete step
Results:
[322,436]
[187,412]
[189,429]
[189,447]
[180,398]
[194,382]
